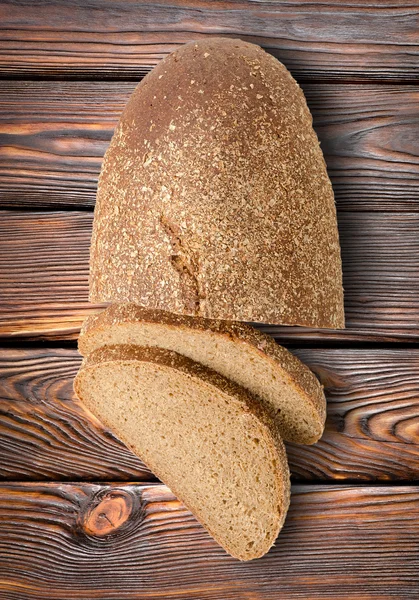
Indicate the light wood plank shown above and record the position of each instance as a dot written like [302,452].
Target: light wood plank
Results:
[315,39]
[372,430]
[53,136]
[44,276]
[88,541]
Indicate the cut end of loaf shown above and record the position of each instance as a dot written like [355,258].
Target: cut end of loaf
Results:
[203,436]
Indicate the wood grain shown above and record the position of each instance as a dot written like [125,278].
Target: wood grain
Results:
[356,543]
[44,273]
[315,39]
[53,136]
[44,276]
[135,540]
[45,433]
[372,430]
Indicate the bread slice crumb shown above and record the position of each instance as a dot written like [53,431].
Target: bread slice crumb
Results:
[208,439]
[284,385]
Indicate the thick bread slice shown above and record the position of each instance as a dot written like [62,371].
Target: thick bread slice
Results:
[238,351]
[208,439]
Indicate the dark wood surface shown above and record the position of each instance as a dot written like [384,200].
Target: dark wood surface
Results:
[360,39]
[44,276]
[371,431]
[54,134]
[66,71]
[84,541]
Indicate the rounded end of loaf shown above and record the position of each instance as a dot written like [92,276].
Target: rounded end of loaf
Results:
[214,199]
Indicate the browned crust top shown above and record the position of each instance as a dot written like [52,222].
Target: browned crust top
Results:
[214,198]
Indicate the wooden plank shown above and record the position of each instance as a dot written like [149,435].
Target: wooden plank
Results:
[372,428]
[88,541]
[44,276]
[53,136]
[43,273]
[44,431]
[315,39]
[372,431]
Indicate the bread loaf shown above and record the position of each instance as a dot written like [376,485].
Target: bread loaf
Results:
[205,437]
[238,351]
[214,198]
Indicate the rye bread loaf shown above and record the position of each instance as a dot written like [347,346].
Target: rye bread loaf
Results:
[236,350]
[202,435]
[214,199]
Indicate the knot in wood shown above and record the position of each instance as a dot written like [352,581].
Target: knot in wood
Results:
[108,513]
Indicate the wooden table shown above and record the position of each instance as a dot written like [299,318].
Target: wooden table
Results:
[67,69]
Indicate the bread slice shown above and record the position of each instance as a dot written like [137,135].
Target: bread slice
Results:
[237,351]
[208,439]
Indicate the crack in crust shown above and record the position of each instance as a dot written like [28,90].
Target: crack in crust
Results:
[186,266]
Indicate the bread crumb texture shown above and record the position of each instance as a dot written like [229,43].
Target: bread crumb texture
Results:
[282,383]
[214,199]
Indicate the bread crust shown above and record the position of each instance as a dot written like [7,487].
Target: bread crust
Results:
[298,374]
[168,359]
[214,199]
